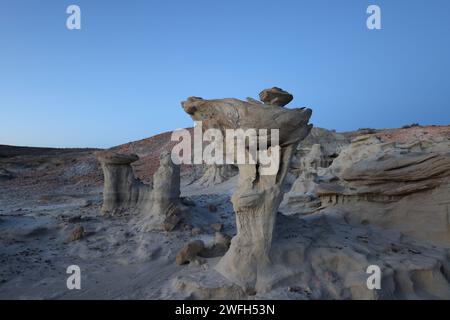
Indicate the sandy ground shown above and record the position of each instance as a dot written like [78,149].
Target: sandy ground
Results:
[118,262]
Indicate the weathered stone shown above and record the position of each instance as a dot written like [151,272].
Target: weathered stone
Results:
[122,191]
[165,198]
[189,252]
[275,96]
[402,186]
[77,234]
[257,197]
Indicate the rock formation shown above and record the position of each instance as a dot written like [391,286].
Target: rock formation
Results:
[396,185]
[257,197]
[163,209]
[314,159]
[123,193]
[215,174]
[276,97]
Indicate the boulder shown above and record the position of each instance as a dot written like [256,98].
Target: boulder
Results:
[275,96]
[189,253]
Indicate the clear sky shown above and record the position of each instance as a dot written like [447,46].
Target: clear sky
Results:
[122,76]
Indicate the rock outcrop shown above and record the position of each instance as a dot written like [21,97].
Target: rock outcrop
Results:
[123,193]
[396,185]
[257,197]
[163,209]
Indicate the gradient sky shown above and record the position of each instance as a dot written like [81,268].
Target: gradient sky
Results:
[122,76]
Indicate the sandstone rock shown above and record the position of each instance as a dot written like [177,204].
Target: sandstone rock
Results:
[165,197]
[77,234]
[402,186]
[189,252]
[122,191]
[160,205]
[314,159]
[275,96]
[258,196]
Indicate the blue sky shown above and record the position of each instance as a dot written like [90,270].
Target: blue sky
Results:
[122,76]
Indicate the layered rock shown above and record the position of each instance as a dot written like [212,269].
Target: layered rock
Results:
[123,193]
[257,197]
[405,186]
[163,209]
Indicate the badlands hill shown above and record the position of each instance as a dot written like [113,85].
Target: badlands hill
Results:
[355,199]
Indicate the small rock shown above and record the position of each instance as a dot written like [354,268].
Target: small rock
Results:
[275,96]
[196,231]
[77,234]
[216,226]
[189,252]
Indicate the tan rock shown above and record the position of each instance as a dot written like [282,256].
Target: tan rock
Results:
[122,191]
[257,197]
[77,234]
[402,186]
[275,96]
[189,253]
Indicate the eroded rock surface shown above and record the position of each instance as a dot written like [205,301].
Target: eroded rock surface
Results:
[405,185]
[159,204]
[276,97]
[163,207]
[257,197]
[122,191]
